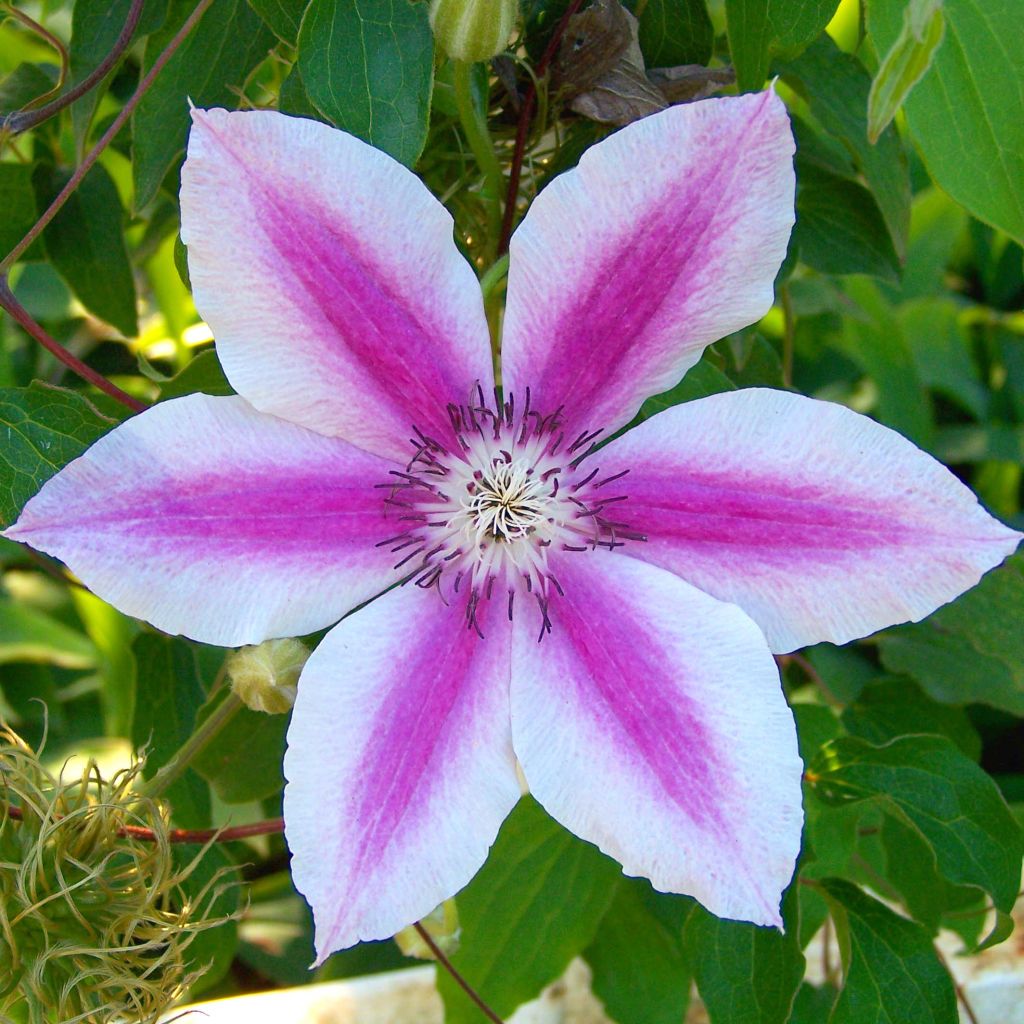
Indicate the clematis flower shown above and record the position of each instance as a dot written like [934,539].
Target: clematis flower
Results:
[368,446]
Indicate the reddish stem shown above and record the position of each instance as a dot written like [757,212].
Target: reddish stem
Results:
[108,136]
[23,120]
[196,836]
[523,127]
[456,977]
[24,318]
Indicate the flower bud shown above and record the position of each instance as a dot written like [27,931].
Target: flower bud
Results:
[441,924]
[472,30]
[264,677]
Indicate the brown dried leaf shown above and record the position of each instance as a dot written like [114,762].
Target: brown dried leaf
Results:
[689,82]
[600,68]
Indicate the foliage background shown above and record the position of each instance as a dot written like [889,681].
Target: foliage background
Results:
[900,297]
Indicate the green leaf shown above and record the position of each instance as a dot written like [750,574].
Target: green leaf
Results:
[836,87]
[208,68]
[796,23]
[203,374]
[292,97]
[812,1005]
[941,346]
[889,708]
[965,112]
[85,242]
[636,958]
[873,340]
[24,85]
[910,868]
[534,905]
[745,974]
[892,972]
[700,381]
[18,201]
[927,783]
[971,649]
[676,32]
[244,764]
[839,228]
[282,17]
[368,67]
[169,692]
[750,38]
[95,27]
[907,60]
[30,635]
[759,28]
[43,429]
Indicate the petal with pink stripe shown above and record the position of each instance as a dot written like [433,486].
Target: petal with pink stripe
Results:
[651,722]
[207,518]
[399,764]
[330,278]
[818,522]
[666,237]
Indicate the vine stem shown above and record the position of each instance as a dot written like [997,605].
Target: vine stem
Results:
[523,128]
[474,124]
[456,976]
[22,120]
[72,362]
[108,136]
[33,26]
[204,735]
[194,836]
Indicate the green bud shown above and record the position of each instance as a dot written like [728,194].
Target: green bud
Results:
[473,30]
[95,921]
[441,924]
[264,677]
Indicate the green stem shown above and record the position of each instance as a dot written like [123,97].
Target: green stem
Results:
[474,124]
[491,286]
[192,747]
[493,276]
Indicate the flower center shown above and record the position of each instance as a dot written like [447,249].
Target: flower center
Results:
[507,501]
[491,511]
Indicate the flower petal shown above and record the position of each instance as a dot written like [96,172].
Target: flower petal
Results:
[651,722]
[330,279]
[205,517]
[818,522]
[399,765]
[667,237]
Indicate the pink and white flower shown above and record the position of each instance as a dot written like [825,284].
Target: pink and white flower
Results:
[367,446]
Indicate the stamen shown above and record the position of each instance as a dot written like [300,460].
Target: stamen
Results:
[509,509]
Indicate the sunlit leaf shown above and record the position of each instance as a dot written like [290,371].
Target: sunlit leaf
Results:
[42,429]
[928,784]
[368,65]
[965,111]
[208,69]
